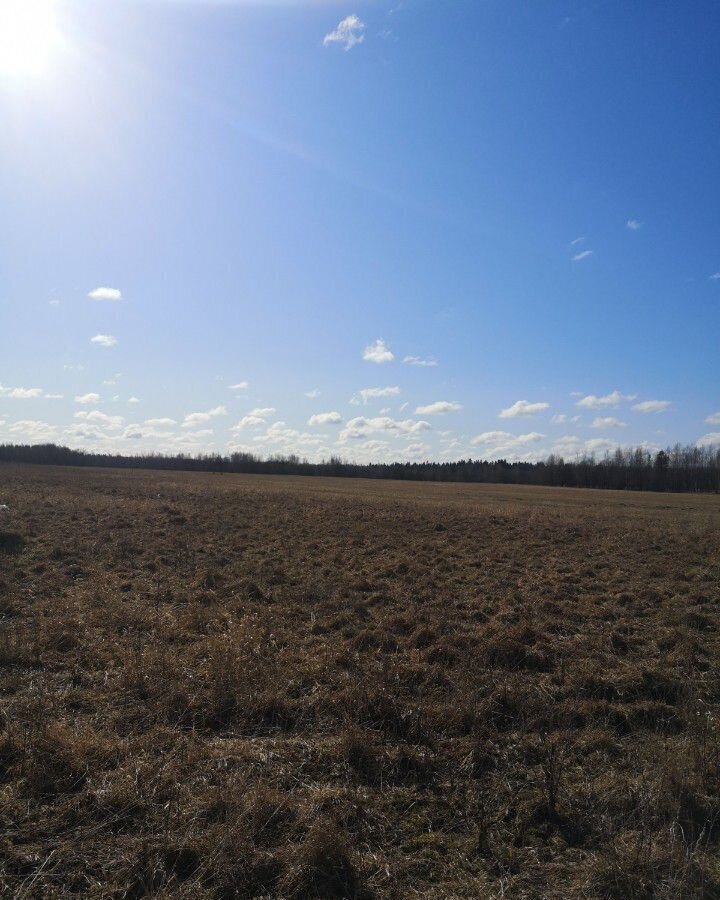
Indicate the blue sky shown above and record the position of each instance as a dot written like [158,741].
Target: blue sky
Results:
[288,205]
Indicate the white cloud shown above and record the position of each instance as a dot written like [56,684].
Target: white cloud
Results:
[439,407]
[417,361]
[160,423]
[312,394]
[370,393]
[20,393]
[494,438]
[379,352]
[634,224]
[197,418]
[607,422]
[561,418]
[248,422]
[715,276]
[87,398]
[652,406]
[326,418]
[262,412]
[33,430]
[101,418]
[105,293]
[583,254]
[360,427]
[349,32]
[713,418]
[240,386]
[53,303]
[709,440]
[522,408]
[576,241]
[104,340]
[591,401]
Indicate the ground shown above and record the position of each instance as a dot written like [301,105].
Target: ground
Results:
[219,686]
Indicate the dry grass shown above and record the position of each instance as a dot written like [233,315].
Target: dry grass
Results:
[238,687]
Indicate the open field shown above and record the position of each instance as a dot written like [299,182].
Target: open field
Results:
[246,686]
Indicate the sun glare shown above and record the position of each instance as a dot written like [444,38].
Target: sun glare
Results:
[28,37]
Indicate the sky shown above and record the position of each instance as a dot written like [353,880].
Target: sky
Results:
[379,229]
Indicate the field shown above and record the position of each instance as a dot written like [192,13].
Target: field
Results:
[246,686]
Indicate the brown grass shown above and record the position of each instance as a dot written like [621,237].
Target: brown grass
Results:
[248,687]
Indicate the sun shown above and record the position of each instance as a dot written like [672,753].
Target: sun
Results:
[29,37]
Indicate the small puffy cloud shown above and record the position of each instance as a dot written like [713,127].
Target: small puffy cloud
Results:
[522,408]
[262,412]
[240,386]
[634,224]
[438,408]
[105,293]
[713,418]
[494,438]
[379,352]
[709,440]
[583,254]
[607,422]
[20,393]
[87,398]
[32,430]
[371,393]
[591,401]
[133,399]
[652,406]
[562,418]
[193,419]
[162,422]
[248,422]
[361,427]
[312,394]
[326,418]
[104,340]
[417,361]
[348,33]
[53,303]
[100,418]
[715,276]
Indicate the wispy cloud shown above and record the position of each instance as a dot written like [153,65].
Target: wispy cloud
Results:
[713,418]
[312,394]
[715,276]
[583,254]
[379,352]
[349,33]
[522,408]
[199,417]
[22,393]
[105,293]
[709,440]
[577,241]
[371,393]
[325,418]
[607,422]
[592,401]
[240,386]
[417,361]
[439,407]
[104,340]
[652,406]
[634,224]
[360,427]
[87,399]
[162,422]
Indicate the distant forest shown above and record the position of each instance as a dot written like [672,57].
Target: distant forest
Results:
[688,469]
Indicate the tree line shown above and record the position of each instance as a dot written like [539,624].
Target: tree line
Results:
[679,468]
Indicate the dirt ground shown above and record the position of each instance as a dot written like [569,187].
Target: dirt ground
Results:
[227,686]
